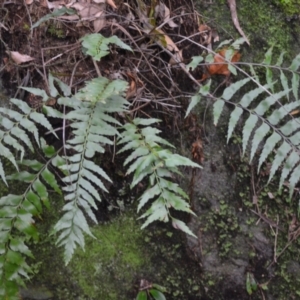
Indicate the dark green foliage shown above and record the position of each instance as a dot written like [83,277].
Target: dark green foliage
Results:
[269,124]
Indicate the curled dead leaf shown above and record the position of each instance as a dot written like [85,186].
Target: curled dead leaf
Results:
[163,11]
[197,152]
[19,58]
[135,85]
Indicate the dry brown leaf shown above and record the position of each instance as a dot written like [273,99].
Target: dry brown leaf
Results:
[69,18]
[176,58]
[205,34]
[111,3]
[19,58]
[135,85]
[28,2]
[163,11]
[100,22]
[55,4]
[89,11]
[219,66]
[197,152]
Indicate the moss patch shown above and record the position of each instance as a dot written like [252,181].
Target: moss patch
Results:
[106,269]
[264,23]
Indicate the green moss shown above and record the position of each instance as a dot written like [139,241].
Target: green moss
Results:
[290,7]
[264,23]
[105,270]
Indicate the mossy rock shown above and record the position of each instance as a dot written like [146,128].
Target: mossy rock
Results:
[109,264]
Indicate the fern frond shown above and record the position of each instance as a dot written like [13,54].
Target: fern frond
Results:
[150,159]
[96,45]
[93,129]
[271,122]
[16,224]
[19,124]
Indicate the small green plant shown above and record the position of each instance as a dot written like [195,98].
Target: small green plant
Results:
[150,291]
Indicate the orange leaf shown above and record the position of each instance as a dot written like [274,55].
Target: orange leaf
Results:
[219,66]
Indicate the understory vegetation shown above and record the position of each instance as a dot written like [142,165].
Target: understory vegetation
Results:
[92,99]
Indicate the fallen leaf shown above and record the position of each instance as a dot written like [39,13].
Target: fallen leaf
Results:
[111,3]
[163,11]
[219,66]
[100,21]
[19,58]
[197,152]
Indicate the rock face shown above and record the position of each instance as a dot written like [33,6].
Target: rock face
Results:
[228,245]
[36,293]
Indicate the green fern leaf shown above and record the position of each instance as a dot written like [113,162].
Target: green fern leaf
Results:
[96,45]
[281,154]
[51,112]
[295,139]
[151,192]
[166,184]
[141,151]
[140,121]
[72,225]
[267,61]
[233,88]
[196,60]
[295,85]
[284,82]
[93,127]
[264,105]
[253,94]
[295,64]
[52,89]
[157,212]
[268,147]
[218,108]
[177,224]
[278,114]
[175,201]
[37,92]
[194,101]
[141,162]
[289,165]
[50,179]
[280,58]
[33,203]
[90,176]
[131,145]
[2,173]
[289,127]
[17,132]
[294,178]
[139,176]
[247,130]
[234,117]
[101,89]
[42,192]
[203,91]
[260,133]
[95,168]
[10,141]
[22,105]
[5,152]
[178,160]
[156,163]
